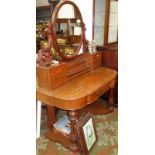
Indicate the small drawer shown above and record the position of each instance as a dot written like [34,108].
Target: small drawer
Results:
[55,83]
[96,64]
[97,56]
[58,70]
[58,76]
[92,97]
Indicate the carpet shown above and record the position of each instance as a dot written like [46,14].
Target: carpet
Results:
[107,131]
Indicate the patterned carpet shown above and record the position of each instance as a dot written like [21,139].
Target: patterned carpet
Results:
[107,144]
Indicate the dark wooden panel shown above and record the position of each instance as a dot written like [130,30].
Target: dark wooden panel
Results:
[110,59]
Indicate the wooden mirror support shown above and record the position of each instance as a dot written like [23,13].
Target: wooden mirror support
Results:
[52,37]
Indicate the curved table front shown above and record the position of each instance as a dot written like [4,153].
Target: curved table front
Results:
[80,91]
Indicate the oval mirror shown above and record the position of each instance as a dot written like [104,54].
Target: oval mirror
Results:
[67,29]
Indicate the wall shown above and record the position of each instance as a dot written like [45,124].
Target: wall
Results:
[86,8]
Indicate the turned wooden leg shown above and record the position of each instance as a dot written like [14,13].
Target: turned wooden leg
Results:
[111,99]
[73,115]
[51,116]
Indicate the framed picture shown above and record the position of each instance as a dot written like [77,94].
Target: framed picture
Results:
[86,132]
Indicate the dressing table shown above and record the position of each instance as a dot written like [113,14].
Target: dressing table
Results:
[77,81]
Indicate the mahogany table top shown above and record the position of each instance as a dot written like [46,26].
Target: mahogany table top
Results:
[80,91]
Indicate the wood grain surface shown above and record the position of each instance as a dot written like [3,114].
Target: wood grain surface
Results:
[80,91]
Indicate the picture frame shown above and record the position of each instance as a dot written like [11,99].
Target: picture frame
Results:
[86,131]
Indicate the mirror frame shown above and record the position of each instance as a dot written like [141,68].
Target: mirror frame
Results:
[53,38]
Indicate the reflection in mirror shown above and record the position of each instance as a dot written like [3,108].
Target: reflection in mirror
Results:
[68,30]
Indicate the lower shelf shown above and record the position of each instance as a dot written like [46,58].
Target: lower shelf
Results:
[97,108]
[59,137]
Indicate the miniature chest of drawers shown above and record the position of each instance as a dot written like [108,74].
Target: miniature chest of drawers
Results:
[51,77]
[94,60]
